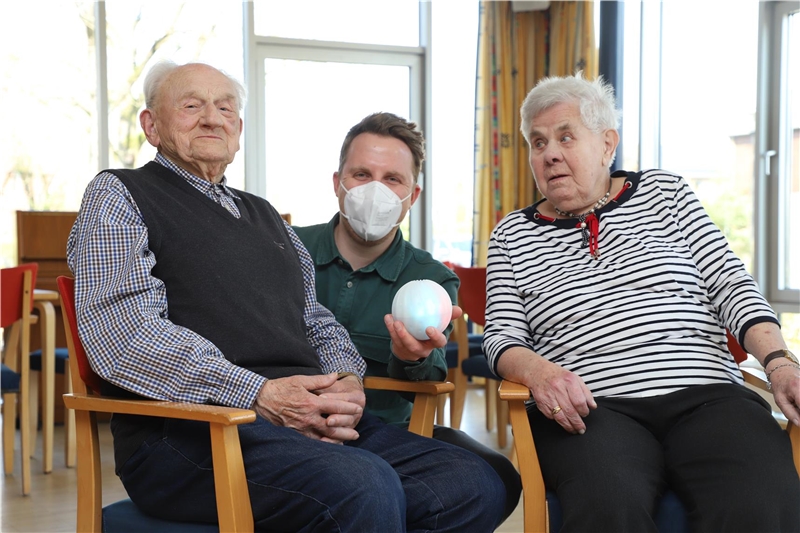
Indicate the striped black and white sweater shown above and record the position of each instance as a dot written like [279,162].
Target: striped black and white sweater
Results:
[648,317]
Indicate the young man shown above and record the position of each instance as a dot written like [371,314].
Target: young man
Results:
[362,260]
[188,290]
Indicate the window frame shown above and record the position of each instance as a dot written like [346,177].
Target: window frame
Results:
[773,151]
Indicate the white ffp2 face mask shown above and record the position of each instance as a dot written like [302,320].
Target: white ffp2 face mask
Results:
[372,209]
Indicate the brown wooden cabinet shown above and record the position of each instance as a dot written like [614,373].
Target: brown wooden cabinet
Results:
[42,238]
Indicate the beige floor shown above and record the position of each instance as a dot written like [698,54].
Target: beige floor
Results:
[51,505]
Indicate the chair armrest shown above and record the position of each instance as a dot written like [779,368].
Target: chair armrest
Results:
[513,391]
[425,401]
[232,496]
[401,385]
[216,414]
[755,377]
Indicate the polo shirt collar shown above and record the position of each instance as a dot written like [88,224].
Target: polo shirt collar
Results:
[388,266]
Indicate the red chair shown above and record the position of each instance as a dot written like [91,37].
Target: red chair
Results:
[16,286]
[472,300]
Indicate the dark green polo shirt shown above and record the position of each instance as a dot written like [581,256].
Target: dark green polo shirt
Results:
[360,299]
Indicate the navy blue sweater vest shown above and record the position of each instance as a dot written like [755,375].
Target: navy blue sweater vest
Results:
[236,282]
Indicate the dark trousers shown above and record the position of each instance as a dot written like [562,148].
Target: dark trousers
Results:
[716,446]
[499,462]
[389,480]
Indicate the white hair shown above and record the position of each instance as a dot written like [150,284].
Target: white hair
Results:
[161,71]
[595,99]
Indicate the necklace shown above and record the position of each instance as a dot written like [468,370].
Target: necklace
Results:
[589,224]
[597,205]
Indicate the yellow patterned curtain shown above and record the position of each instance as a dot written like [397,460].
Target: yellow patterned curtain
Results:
[515,51]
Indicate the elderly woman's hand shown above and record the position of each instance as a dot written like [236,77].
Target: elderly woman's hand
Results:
[562,395]
[786,389]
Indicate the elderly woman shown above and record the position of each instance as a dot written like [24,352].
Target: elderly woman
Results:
[609,300]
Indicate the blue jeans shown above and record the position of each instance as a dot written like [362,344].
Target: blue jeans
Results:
[388,480]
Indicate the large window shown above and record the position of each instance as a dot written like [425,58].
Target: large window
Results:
[723,112]
[66,118]
[48,111]
[690,105]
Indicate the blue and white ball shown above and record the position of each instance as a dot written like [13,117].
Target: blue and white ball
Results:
[421,304]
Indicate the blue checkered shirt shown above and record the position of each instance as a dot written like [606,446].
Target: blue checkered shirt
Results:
[123,316]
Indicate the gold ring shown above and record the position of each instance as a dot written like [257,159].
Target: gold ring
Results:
[556,410]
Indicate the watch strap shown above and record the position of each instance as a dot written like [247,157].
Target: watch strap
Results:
[778,354]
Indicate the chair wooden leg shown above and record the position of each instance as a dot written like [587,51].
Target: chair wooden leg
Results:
[90,488]
[457,399]
[9,432]
[502,416]
[233,500]
[34,407]
[24,423]
[442,400]
[47,320]
[11,360]
[491,401]
[533,493]
[70,448]
[513,456]
[440,409]
[422,414]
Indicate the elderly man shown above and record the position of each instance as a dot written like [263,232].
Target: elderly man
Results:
[188,290]
[362,260]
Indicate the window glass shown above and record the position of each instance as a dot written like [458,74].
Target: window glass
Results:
[142,32]
[708,100]
[352,21]
[47,82]
[309,108]
[790,329]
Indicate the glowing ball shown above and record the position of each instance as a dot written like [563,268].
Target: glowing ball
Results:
[421,304]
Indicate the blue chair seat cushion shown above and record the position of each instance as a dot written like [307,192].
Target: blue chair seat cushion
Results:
[477,366]
[670,516]
[124,517]
[62,358]
[9,380]
[475,348]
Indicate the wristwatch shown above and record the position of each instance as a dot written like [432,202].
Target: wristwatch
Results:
[778,354]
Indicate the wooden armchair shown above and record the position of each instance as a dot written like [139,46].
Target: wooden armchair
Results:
[541,507]
[233,499]
[16,286]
